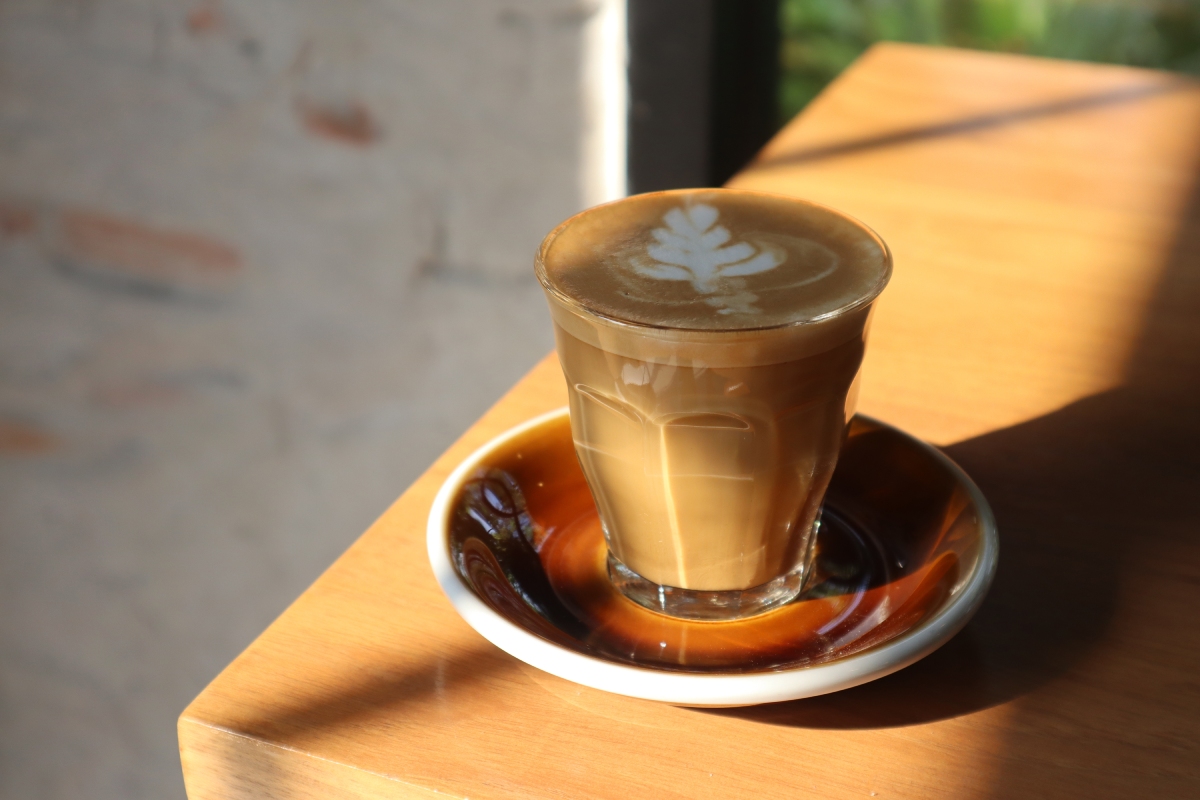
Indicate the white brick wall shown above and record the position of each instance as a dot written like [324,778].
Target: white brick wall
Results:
[260,261]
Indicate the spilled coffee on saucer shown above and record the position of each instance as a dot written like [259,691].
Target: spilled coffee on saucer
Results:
[711,341]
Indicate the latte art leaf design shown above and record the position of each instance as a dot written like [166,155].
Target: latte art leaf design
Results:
[694,248]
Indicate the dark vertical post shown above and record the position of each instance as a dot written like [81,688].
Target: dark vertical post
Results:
[703,85]
[744,110]
[670,76]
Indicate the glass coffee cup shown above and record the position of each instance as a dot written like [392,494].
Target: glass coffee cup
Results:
[711,341]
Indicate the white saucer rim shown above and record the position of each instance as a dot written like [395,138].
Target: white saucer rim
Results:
[710,690]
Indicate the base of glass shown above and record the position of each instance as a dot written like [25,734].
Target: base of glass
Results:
[717,606]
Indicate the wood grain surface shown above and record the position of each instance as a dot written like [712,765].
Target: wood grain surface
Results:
[1043,326]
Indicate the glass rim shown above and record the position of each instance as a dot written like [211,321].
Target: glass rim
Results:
[539,268]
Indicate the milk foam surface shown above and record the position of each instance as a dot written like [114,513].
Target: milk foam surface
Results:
[713,260]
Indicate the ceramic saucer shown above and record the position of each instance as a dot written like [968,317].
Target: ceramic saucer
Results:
[906,553]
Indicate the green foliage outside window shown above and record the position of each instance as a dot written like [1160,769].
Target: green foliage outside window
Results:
[822,37]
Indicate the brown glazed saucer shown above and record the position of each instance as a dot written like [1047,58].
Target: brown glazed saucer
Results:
[906,553]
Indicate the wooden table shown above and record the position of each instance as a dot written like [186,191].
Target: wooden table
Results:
[1043,325]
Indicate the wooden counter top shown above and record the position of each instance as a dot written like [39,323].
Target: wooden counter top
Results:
[1043,325]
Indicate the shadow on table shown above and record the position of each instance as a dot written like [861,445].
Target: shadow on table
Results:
[1083,496]
[979,122]
[1076,493]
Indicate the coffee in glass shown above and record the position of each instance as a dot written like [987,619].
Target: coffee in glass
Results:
[711,341]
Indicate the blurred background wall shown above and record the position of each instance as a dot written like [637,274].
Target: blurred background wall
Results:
[262,260]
